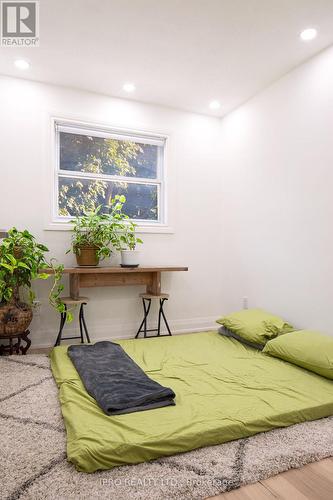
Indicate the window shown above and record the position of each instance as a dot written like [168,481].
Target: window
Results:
[94,164]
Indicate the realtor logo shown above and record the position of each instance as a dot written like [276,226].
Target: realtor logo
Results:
[20,23]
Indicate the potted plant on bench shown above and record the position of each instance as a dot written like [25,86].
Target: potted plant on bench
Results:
[22,260]
[96,234]
[92,237]
[126,242]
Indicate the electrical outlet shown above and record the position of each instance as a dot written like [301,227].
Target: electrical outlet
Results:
[245,303]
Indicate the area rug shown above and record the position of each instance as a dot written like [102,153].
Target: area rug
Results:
[33,460]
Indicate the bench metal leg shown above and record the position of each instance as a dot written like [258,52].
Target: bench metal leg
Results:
[83,323]
[80,325]
[161,312]
[144,321]
[161,315]
[63,317]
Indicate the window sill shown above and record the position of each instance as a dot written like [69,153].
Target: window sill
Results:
[158,229]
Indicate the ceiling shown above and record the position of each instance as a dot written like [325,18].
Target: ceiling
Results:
[179,53]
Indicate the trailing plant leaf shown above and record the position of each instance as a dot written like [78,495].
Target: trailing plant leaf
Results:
[57,289]
[43,276]
[22,264]
[7,266]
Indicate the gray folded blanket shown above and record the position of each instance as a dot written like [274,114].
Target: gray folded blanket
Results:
[115,381]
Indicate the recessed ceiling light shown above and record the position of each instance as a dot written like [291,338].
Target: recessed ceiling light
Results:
[214,105]
[22,64]
[129,87]
[308,34]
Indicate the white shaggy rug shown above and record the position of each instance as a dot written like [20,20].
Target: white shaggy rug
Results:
[33,461]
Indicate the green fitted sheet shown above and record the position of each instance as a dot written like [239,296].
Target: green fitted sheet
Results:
[224,391]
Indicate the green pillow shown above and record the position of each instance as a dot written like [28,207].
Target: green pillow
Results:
[305,348]
[255,325]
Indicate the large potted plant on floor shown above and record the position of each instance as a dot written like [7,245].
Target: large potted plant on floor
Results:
[94,232]
[22,260]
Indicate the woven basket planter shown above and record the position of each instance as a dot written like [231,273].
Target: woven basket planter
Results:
[14,318]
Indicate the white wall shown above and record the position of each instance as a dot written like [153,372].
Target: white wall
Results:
[252,196]
[193,165]
[276,198]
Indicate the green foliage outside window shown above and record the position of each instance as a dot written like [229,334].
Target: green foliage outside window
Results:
[95,155]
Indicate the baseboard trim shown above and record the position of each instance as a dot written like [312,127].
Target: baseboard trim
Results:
[44,340]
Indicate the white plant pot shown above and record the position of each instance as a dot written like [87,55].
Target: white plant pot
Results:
[130,258]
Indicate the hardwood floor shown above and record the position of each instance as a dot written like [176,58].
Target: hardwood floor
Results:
[40,350]
[311,482]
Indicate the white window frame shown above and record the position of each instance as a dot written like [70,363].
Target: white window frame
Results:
[75,126]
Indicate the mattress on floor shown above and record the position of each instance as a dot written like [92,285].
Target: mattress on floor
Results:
[224,391]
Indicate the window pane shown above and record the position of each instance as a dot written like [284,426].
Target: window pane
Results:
[79,195]
[83,153]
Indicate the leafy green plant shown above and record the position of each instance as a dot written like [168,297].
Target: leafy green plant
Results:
[125,238]
[96,229]
[106,231]
[22,260]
